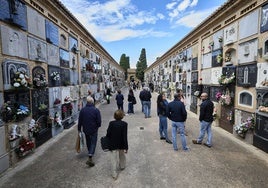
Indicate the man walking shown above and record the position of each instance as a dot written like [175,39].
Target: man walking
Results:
[145,97]
[177,114]
[90,121]
[205,118]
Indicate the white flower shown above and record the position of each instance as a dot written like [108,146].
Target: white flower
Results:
[21,76]
[16,84]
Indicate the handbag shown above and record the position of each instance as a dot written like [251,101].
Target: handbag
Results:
[79,142]
[134,101]
[105,143]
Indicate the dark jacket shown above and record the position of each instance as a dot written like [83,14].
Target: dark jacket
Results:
[130,98]
[89,119]
[119,98]
[117,135]
[145,95]
[176,111]
[162,108]
[206,111]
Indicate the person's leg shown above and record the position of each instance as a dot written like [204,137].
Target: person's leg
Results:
[182,135]
[129,111]
[114,163]
[209,132]
[149,108]
[203,128]
[174,136]
[161,127]
[122,159]
[165,126]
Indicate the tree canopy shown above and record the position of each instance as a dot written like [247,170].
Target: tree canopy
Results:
[141,65]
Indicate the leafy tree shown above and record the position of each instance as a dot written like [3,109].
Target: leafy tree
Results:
[141,65]
[124,63]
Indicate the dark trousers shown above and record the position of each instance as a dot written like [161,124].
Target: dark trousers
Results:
[91,143]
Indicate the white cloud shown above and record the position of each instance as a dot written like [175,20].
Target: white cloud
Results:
[113,20]
[192,19]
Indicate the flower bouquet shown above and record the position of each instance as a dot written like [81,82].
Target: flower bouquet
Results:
[34,128]
[42,107]
[243,128]
[57,120]
[57,101]
[55,76]
[226,80]
[218,95]
[40,80]
[225,100]
[21,80]
[22,112]
[7,112]
[25,147]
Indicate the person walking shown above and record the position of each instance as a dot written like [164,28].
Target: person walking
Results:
[89,121]
[120,100]
[206,119]
[141,98]
[131,101]
[146,96]
[178,115]
[182,99]
[108,95]
[117,135]
[162,112]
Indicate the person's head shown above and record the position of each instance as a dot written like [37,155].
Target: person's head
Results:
[90,100]
[177,96]
[204,96]
[118,114]
[119,91]
[89,92]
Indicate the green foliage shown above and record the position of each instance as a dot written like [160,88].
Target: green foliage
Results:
[141,65]
[124,63]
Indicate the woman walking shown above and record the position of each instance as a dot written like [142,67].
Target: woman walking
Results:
[117,135]
[162,112]
[131,101]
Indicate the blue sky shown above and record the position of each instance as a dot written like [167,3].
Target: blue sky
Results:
[127,26]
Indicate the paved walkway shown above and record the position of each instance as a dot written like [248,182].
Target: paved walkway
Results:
[151,162]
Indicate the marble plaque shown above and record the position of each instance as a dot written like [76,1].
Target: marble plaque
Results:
[213,91]
[216,40]
[228,71]
[248,51]
[17,98]
[206,89]
[74,77]
[217,58]
[53,55]
[74,92]
[13,12]
[54,78]
[206,76]
[247,75]
[10,67]
[73,44]
[206,47]
[39,98]
[195,63]
[264,20]
[253,19]
[215,75]
[230,34]
[84,90]
[37,50]
[73,61]
[262,76]
[206,60]
[85,77]
[64,58]
[36,23]
[188,76]
[55,97]
[193,106]
[52,33]
[65,92]
[14,42]
[65,77]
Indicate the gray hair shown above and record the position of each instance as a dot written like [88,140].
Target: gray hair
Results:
[90,100]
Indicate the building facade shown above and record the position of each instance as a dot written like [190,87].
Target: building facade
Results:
[49,62]
[225,56]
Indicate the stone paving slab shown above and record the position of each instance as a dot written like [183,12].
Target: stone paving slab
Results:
[151,162]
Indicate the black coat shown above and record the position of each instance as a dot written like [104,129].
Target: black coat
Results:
[117,135]
[89,119]
[206,111]
[176,111]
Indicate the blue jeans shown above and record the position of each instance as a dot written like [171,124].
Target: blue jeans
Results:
[91,143]
[120,107]
[180,126]
[163,127]
[205,127]
[147,108]
[130,107]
